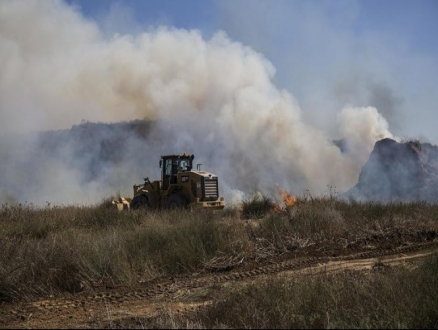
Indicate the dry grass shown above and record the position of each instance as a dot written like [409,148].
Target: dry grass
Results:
[51,250]
[392,298]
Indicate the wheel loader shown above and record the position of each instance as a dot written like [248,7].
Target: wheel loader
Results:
[180,187]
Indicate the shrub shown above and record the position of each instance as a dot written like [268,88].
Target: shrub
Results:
[257,206]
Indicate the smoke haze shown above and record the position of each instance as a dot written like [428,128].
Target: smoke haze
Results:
[214,98]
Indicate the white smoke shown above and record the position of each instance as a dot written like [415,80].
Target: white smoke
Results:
[363,126]
[214,98]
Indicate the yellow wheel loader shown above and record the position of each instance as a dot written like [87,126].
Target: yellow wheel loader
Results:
[180,187]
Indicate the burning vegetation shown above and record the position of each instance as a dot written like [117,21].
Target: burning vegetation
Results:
[258,204]
[288,200]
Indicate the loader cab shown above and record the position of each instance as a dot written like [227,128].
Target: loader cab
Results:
[172,164]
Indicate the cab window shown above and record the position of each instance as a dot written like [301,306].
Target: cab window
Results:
[168,167]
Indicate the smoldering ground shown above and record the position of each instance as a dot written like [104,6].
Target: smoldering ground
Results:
[158,92]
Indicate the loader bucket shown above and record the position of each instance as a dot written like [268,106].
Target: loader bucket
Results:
[123,204]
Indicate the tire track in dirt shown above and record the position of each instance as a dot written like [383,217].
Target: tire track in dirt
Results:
[299,263]
[81,309]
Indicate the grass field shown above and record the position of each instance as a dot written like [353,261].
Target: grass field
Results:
[53,250]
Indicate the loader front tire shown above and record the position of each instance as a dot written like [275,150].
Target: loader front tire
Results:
[176,202]
[139,202]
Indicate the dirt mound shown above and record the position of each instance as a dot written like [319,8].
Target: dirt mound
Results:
[396,171]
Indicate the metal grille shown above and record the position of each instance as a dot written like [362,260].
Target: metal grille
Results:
[210,189]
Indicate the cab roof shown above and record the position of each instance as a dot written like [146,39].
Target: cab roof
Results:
[184,155]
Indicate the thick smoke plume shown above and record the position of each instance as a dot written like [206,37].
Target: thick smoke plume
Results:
[214,98]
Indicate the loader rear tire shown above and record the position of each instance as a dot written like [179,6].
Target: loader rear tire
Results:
[139,202]
[176,202]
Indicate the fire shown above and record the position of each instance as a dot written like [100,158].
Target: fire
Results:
[288,199]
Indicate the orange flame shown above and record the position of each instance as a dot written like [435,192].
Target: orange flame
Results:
[277,209]
[288,200]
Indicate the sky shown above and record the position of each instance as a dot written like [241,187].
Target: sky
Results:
[272,86]
[325,53]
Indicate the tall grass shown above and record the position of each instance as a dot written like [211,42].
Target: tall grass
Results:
[50,250]
[393,298]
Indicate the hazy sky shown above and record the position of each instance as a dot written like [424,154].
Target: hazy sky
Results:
[325,53]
